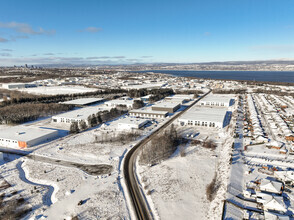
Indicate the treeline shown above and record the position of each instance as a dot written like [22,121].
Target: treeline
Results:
[20,113]
[96,119]
[156,94]
[113,137]
[161,146]
[229,91]
[274,92]
[17,97]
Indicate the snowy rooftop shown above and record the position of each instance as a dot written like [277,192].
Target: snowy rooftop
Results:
[205,114]
[166,105]
[181,96]
[148,111]
[24,133]
[136,121]
[143,86]
[83,101]
[82,113]
[217,98]
[120,102]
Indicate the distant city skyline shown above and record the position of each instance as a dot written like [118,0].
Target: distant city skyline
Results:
[126,32]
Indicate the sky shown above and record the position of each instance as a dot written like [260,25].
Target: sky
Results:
[151,31]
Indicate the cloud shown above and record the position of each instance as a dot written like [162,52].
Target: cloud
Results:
[3,40]
[133,60]
[25,28]
[274,48]
[35,59]
[5,54]
[146,56]
[105,57]
[48,54]
[7,50]
[91,30]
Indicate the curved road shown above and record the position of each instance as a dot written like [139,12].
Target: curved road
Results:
[139,202]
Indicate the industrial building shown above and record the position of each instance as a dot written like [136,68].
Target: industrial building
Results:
[131,123]
[18,85]
[146,98]
[180,98]
[216,100]
[143,86]
[148,113]
[24,136]
[78,115]
[166,106]
[208,117]
[116,102]
[83,101]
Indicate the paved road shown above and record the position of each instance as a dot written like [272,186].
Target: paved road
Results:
[138,199]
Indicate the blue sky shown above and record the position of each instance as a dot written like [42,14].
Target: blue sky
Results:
[132,31]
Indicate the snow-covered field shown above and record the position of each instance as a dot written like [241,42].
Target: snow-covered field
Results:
[54,90]
[178,184]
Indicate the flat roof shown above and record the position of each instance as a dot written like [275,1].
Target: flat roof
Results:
[136,121]
[82,101]
[148,111]
[82,113]
[181,96]
[143,86]
[166,105]
[216,98]
[24,133]
[205,114]
[120,101]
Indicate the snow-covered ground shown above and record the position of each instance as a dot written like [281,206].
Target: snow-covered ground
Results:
[178,184]
[101,196]
[54,90]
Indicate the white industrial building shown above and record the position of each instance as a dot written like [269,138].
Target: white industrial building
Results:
[24,136]
[116,102]
[143,86]
[208,117]
[18,85]
[216,100]
[131,123]
[170,107]
[83,101]
[179,98]
[78,115]
[148,113]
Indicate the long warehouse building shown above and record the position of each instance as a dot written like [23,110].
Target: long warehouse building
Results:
[207,117]
[77,115]
[24,136]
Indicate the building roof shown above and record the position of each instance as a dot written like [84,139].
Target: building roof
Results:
[166,105]
[132,121]
[148,111]
[181,96]
[205,114]
[82,113]
[143,86]
[216,98]
[120,102]
[82,101]
[24,133]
